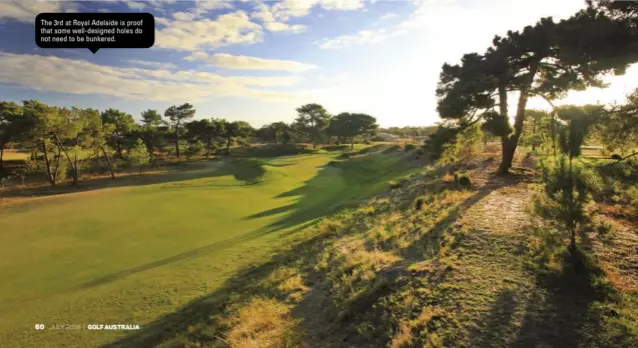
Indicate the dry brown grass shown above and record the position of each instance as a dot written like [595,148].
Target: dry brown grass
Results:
[263,323]
[403,338]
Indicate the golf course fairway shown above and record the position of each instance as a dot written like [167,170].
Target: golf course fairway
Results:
[131,254]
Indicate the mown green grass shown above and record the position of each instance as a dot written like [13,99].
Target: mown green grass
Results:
[129,255]
[10,155]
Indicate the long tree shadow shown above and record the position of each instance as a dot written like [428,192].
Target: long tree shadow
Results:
[321,315]
[336,186]
[565,315]
[498,326]
[248,171]
[204,311]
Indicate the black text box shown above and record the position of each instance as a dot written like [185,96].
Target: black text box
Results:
[95,30]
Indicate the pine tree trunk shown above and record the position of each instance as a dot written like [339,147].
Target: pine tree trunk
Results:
[75,166]
[176,146]
[352,144]
[57,165]
[1,161]
[507,155]
[512,141]
[228,146]
[48,164]
[534,134]
[108,162]
[61,148]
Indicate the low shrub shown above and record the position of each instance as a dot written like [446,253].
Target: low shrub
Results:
[395,184]
[410,147]
[464,181]
[336,147]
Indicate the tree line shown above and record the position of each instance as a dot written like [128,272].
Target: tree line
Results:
[61,139]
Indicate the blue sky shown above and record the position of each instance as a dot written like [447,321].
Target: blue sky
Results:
[258,60]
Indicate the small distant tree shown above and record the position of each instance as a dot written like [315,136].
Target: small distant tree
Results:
[312,121]
[205,131]
[96,134]
[468,142]
[150,132]
[274,132]
[350,126]
[122,123]
[152,118]
[138,155]
[567,186]
[532,127]
[236,130]
[178,115]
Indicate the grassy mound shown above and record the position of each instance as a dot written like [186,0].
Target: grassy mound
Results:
[421,265]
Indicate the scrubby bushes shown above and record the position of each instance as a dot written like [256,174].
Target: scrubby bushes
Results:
[395,184]
[468,143]
[409,147]
[276,150]
[138,155]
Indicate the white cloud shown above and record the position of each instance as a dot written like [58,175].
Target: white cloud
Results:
[227,61]
[162,21]
[199,55]
[227,29]
[280,26]
[149,64]
[104,10]
[48,73]
[135,5]
[362,37]
[26,11]
[183,16]
[485,19]
[341,4]
[387,16]
[264,13]
[204,6]
[276,16]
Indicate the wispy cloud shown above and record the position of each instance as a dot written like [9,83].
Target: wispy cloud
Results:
[183,34]
[359,38]
[26,11]
[387,16]
[83,77]
[228,61]
[145,63]
[135,5]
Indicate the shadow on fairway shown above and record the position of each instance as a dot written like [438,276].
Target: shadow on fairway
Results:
[248,171]
[185,171]
[336,186]
[199,320]
[220,245]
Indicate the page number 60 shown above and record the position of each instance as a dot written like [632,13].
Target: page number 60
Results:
[39,326]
